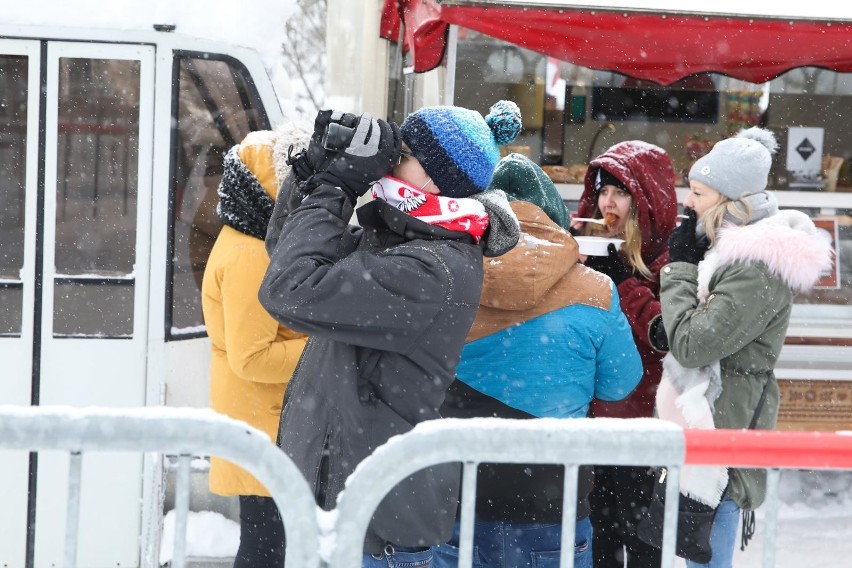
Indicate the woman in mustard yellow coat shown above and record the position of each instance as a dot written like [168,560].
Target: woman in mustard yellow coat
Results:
[253,356]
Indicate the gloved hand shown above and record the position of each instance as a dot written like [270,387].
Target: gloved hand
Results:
[612,265]
[684,244]
[315,157]
[372,153]
[657,334]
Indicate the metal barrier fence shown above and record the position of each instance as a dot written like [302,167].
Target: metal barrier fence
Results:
[335,539]
[181,432]
[570,443]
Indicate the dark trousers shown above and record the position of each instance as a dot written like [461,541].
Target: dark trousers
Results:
[619,499]
[261,534]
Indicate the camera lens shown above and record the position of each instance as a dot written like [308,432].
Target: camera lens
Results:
[337,137]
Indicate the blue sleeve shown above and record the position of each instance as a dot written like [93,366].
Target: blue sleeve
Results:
[618,365]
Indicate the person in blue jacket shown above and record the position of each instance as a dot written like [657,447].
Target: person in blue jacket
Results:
[549,337]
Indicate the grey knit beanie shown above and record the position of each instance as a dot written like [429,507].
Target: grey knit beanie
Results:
[739,165]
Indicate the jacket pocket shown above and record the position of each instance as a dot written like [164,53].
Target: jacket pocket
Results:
[368,362]
[330,476]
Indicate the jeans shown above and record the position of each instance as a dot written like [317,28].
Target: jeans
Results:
[499,544]
[723,536]
[399,557]
[261,534]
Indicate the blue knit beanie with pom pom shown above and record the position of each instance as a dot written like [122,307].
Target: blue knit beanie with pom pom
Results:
[458,147]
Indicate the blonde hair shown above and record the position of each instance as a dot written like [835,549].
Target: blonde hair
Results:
[632,239]
[713,218]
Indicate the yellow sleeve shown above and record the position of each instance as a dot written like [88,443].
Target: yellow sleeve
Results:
[254,347]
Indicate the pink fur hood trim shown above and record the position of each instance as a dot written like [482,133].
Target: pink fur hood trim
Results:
[788,243]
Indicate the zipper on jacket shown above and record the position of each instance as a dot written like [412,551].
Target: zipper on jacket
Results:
[323,472]
[366,367]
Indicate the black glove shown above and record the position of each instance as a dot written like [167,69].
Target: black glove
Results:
[657,334]
[372,153]
[612,265]
[684,244]
[315,157]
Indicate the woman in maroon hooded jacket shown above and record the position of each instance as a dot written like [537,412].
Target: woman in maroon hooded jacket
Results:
[631,187]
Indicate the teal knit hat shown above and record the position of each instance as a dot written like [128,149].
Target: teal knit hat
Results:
[523,180]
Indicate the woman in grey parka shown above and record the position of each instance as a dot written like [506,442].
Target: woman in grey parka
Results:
[736,264]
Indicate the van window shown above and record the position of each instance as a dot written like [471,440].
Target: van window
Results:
[96,197]
[13,145]
[216,106]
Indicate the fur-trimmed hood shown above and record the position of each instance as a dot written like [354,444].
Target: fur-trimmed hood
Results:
[788,243]
[647,172]
[254,169]
[295,133]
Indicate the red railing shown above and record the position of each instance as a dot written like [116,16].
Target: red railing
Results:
[764,448]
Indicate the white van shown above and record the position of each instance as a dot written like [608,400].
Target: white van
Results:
[110,154]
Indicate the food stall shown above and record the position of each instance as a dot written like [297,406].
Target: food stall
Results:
[589,75]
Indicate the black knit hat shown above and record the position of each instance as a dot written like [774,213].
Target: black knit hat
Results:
[604,178]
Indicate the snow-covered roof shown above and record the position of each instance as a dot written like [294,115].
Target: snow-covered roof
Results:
[257,24]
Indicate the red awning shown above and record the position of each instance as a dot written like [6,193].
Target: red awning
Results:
[424,30]
[654,46]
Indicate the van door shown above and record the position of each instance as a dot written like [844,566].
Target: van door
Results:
[84,221]
[19,141]
[97,218]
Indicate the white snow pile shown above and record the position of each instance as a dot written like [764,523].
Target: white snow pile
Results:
[208,535]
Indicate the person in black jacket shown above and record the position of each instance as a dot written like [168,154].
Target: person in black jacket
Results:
[388,304]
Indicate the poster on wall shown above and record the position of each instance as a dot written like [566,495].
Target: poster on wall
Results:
[828,228]
[804,157]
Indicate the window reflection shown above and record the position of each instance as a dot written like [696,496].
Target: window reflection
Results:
[686,118]
[93,308]
[217,106]
[841,296]
[96,196]
[13,143]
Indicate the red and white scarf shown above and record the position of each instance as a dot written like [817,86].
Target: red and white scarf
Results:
[455,214]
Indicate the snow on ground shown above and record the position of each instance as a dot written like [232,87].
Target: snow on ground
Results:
[208,534]
[814,523]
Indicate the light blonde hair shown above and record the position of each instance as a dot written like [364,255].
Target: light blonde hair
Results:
[632,239]
[714,217]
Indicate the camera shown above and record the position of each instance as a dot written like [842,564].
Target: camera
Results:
[337,136]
